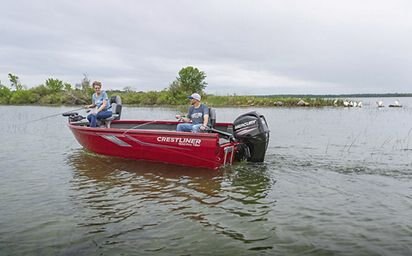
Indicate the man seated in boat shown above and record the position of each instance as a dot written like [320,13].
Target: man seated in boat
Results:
[101,103]
[197,117]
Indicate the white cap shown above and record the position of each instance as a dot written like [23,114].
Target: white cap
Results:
[195,96]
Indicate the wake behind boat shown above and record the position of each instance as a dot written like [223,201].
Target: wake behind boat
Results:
[246,138]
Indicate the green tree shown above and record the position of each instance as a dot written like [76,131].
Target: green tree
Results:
[177,95]
[15,82]
[23,97]
[67,87]
[5,94]
[54,85]
[40,90]
[190,80]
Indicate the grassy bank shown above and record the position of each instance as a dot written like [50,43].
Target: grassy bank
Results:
[270,101]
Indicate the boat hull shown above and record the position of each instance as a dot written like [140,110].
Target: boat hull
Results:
[204,150]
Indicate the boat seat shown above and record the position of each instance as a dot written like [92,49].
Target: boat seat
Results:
[212,118]
[116,105]
[212,123]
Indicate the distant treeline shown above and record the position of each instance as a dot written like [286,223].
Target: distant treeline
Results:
[44,95]
[190,79]
[154,98]
[344,96]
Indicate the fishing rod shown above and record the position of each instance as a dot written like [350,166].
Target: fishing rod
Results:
[67,112]
[139,125]
[45,117]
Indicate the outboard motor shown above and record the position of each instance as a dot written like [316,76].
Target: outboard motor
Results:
[252,130]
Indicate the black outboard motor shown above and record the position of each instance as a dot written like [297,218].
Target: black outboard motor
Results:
[252,130]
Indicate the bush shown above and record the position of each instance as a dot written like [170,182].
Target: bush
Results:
[40,90]
[5,95]
[55,98]
[150,98]
[54,85]
[23,97]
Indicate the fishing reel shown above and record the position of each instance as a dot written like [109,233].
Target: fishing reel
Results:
[73,116]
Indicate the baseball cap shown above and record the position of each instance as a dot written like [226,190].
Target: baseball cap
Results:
[195,96]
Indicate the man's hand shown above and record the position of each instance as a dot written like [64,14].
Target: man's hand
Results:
[179,118]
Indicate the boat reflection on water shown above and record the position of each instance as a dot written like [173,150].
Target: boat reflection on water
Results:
[94,168]
[106,171]
[229,201]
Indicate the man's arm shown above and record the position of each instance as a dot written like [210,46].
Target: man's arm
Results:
[205,119]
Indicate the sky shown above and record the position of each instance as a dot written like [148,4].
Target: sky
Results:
[245,47]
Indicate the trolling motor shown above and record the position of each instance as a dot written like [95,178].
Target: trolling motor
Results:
[252,131]
[73,116]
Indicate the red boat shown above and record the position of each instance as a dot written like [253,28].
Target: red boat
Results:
[246,139]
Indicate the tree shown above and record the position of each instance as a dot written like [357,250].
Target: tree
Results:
[5,94]
[67,87]
[54,85]
[15,82]
[23,97]
[190,80]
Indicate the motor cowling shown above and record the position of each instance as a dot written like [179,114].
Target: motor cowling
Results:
[252,130]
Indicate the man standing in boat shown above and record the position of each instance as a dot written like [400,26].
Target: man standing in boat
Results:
[198,115]
[101,103]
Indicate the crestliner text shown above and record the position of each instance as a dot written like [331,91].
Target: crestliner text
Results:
[181,141]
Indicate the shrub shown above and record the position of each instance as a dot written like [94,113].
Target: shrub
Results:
[5,95]
[23,97]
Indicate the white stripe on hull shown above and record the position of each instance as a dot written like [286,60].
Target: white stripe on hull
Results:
[115,140]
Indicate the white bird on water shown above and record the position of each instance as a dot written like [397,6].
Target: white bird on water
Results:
[396,104]
[380,104]
[346,103]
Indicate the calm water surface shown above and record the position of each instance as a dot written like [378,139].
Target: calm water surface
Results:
[336,181]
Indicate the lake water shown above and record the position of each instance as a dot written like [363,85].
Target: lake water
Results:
[336,181]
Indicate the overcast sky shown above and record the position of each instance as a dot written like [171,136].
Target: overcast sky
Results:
[244,47]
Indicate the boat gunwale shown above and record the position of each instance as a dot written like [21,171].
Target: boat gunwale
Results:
[143,131]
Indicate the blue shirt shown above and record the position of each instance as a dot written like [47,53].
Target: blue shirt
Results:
[98,100]
[197,114]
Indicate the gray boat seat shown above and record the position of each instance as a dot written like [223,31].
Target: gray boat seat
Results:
[116,105]
[227,135]
[212,118]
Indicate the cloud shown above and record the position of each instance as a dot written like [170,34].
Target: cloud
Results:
[271,46]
